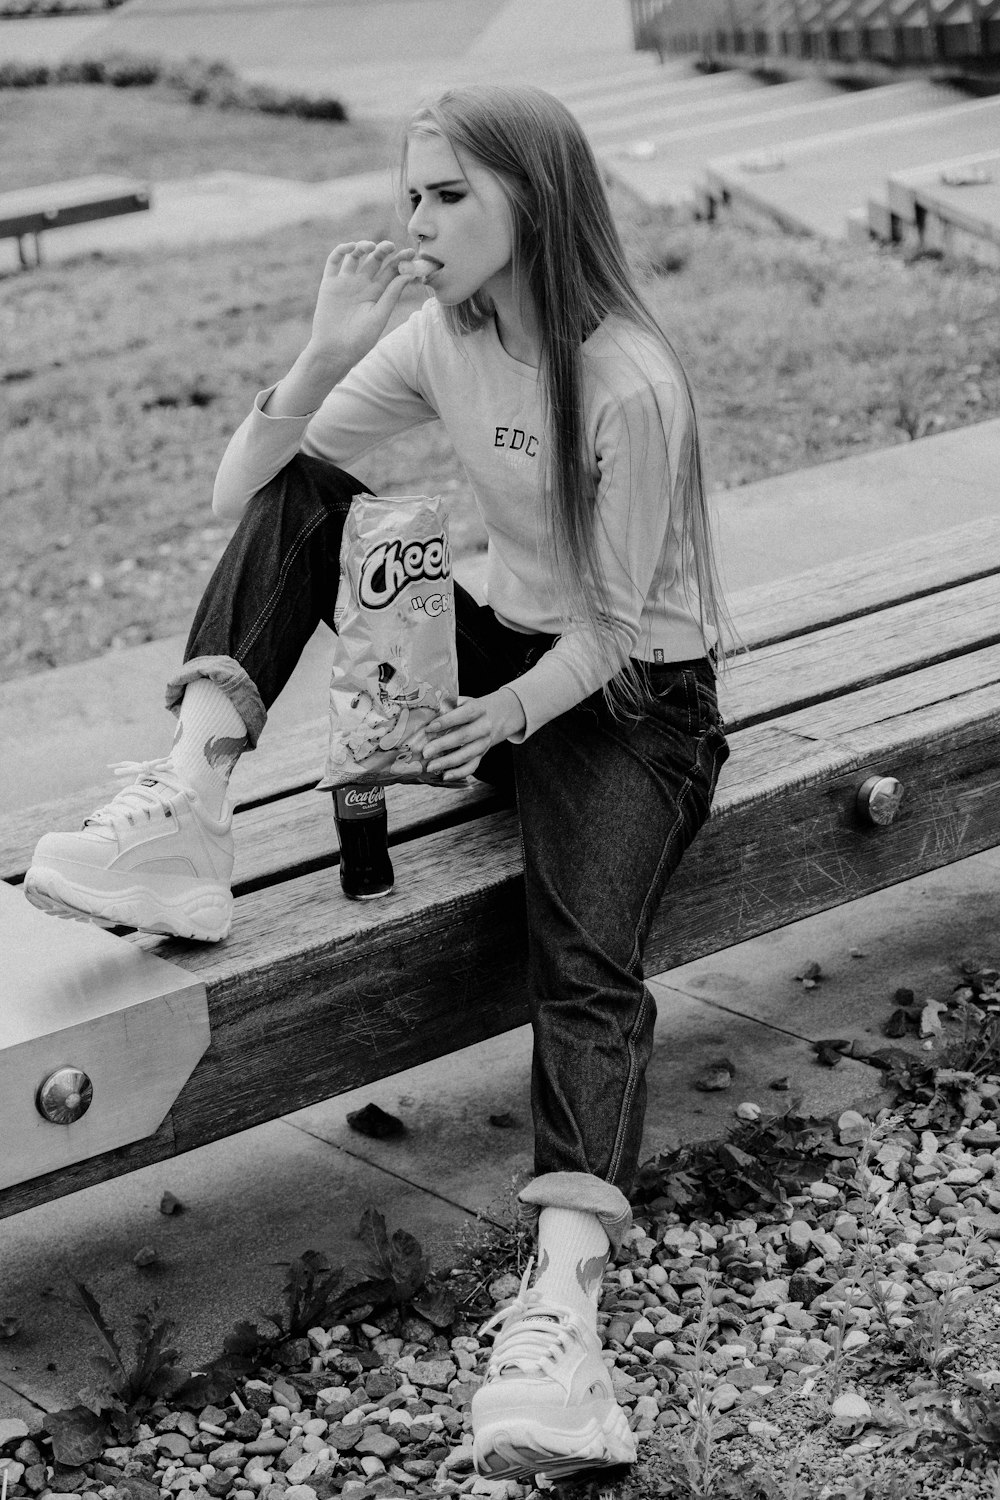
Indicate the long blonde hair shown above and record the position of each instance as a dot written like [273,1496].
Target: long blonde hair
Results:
[569,258]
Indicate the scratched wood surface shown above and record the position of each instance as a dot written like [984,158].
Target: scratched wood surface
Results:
[884,575]
[822,662]
[854,653]
[300,832]
[822,597]
[313,995]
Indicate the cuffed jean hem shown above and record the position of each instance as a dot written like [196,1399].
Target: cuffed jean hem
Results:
[234,682]
[579,1190]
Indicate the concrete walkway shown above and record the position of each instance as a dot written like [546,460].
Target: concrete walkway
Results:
[301,1182]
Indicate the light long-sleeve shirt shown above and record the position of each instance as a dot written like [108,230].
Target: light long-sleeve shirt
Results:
[635,418]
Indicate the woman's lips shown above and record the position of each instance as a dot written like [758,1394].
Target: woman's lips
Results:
[422,268]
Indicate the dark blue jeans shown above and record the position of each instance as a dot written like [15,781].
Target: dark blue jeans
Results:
[607,807]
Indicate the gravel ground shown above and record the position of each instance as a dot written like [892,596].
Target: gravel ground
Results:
[813,1349]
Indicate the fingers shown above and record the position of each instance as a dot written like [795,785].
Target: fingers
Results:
[458,741]
[367,257]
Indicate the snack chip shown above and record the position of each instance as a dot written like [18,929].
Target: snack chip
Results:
[394,666]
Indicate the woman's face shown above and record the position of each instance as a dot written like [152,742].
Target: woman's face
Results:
[460,220]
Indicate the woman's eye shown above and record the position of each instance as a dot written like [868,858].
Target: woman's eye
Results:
[449,197]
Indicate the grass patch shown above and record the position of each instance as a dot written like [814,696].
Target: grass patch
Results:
[123,378]
[213,84]
[63,131]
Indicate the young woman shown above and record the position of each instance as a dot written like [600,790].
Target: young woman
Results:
[587,680]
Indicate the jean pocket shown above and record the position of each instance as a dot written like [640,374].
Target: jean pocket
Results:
[673,697]
[707,698]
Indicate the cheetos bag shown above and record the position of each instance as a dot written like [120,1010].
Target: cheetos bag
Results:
[394,665]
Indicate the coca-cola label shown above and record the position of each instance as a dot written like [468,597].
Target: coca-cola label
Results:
[360,801]
[390,567]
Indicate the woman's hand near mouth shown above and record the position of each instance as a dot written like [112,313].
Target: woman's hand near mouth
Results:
[359,290]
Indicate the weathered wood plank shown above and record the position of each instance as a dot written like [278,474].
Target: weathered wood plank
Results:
[778,679]
[769,681]
[298,832]
[313,995]
[875,580]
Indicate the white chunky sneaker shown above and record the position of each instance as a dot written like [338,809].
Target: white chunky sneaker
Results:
[152,859]
[547,1405]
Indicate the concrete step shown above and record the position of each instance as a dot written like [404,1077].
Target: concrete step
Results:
[773,124]
[666,163]
[952,206]
[617,96]
[813,186]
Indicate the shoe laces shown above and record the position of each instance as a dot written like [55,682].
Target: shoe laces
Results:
[152,781]
[536,1332]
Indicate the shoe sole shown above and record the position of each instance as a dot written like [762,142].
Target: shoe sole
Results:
[519,1446]
[203,912]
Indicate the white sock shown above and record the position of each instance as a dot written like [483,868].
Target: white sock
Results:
[572,1254]
[210,738]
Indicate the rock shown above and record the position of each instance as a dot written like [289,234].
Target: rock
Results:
[137,1487]
[270,1443]
[965,1176]
[10,1471]
[724,1396]
[286,1395]
[300,1492]
[342,1437]
[805,1288]
[715,1078]
[771,1293]
[10,1429]
[174,1444]
[219,1485]
[300,1470]
[292,1453]
[257,1395]
[504,1287]
[246,1427]
[435,1373]
[851,1127]
[850,1407]
[379,1383]
[225,1455]
[749,1112]
[375,1123]
[800,1234]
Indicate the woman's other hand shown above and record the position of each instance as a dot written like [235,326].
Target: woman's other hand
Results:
[358,292]
[461,737]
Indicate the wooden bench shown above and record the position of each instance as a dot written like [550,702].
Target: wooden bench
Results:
[885,666]
[31,211]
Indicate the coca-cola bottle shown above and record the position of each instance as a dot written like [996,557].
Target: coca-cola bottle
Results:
[363,830]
